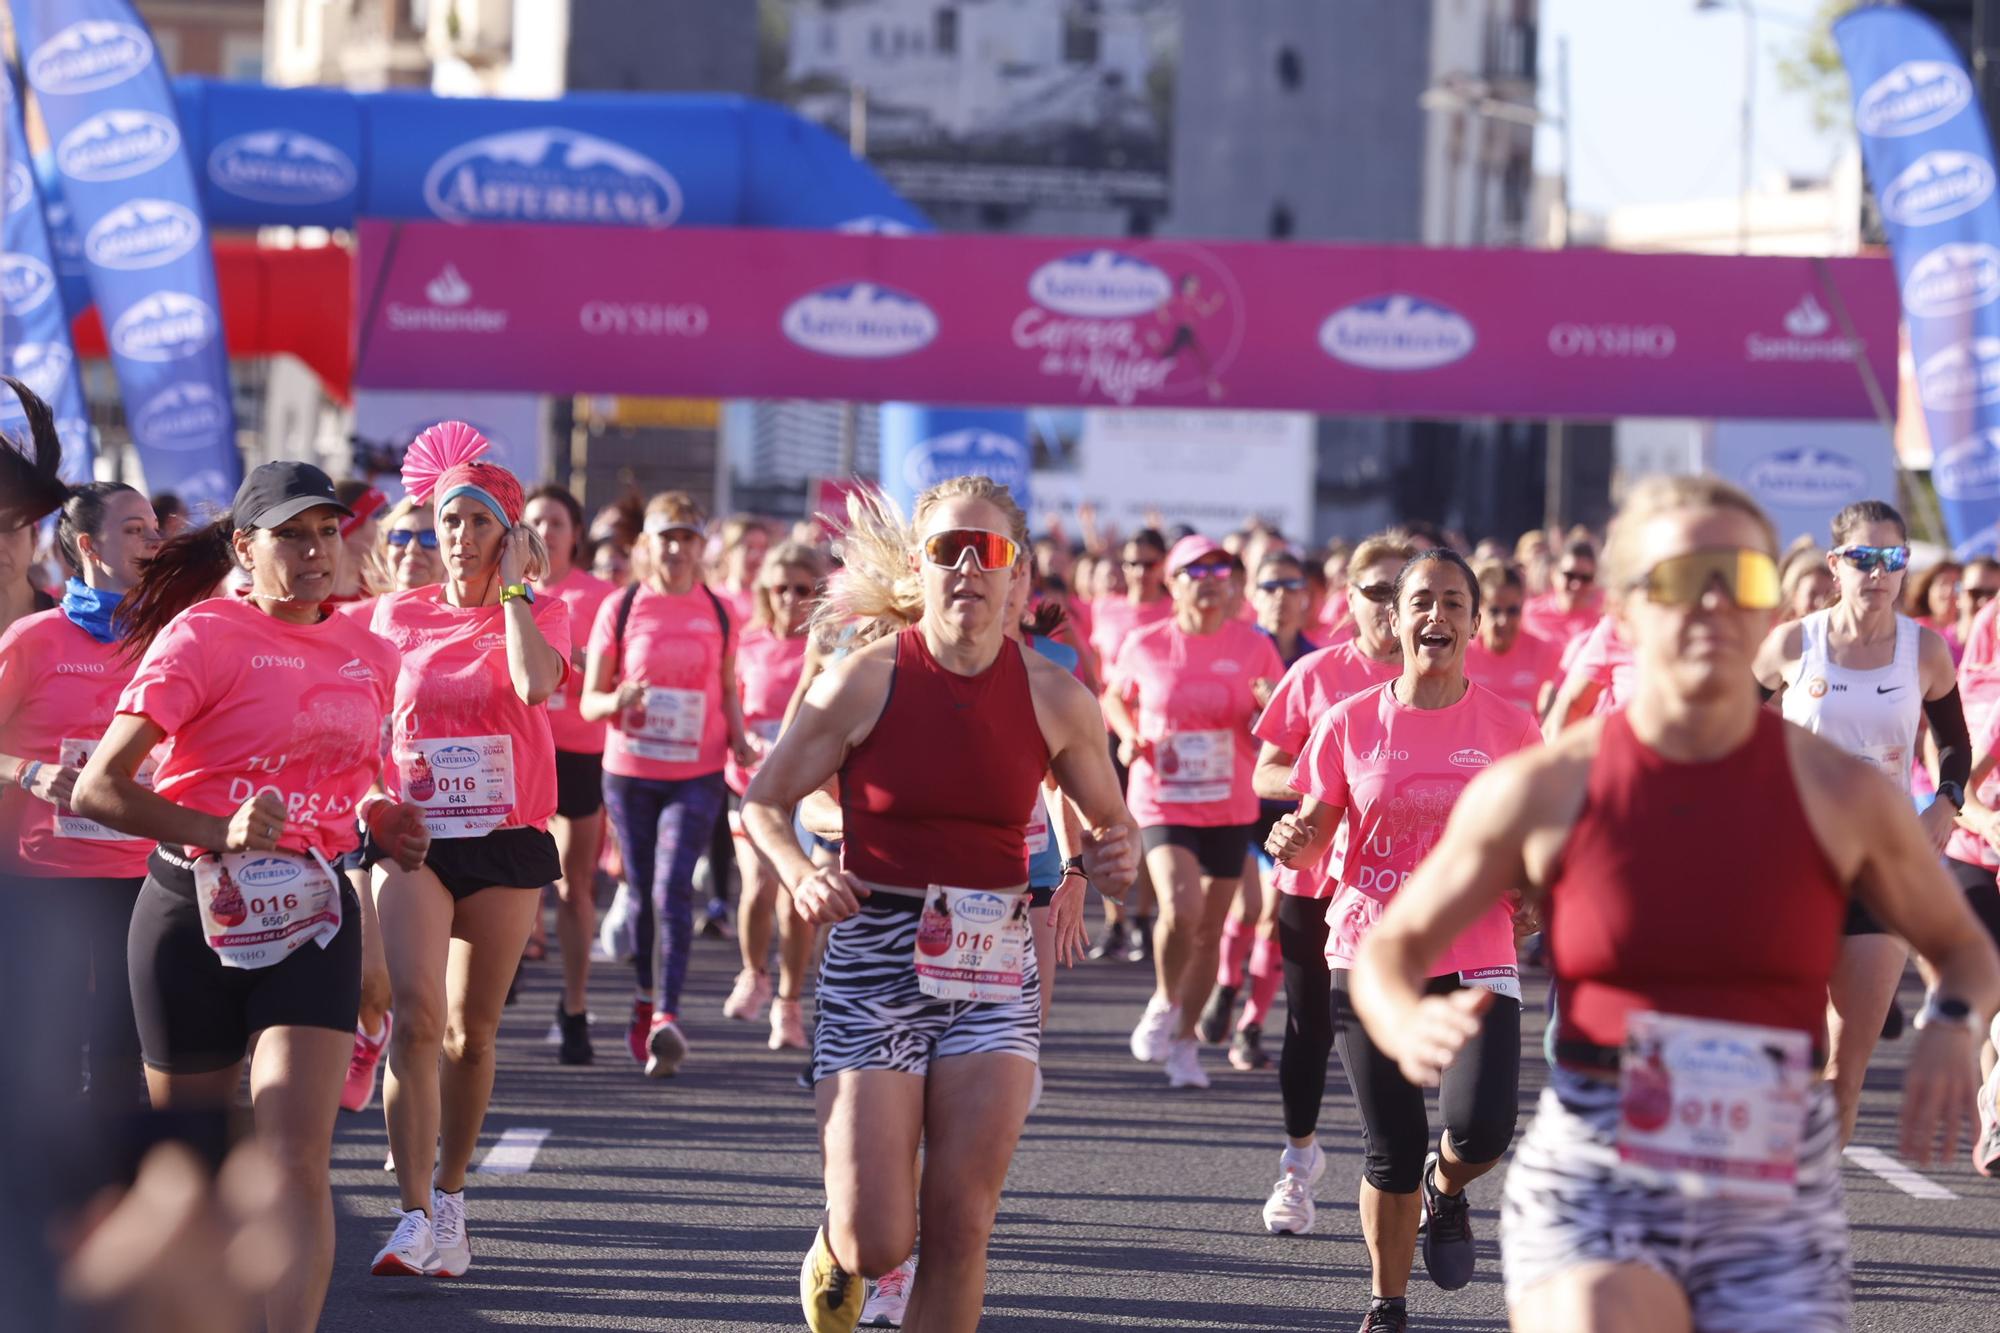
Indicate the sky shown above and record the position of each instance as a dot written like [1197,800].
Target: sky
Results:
[1656,92]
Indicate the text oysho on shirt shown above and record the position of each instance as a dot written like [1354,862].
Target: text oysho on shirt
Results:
[251,704]
[1192,698]
[1396,772]
[455,685]
[674,643]
[583,592]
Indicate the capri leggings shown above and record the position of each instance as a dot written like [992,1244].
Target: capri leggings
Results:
[1302,933]
[1479,1096]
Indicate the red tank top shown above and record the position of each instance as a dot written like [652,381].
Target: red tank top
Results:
[1694,889]
[941,790]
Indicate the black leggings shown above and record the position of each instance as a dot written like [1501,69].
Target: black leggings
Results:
[1480,1094]
[1302,934]
[94,916]
[1981,893]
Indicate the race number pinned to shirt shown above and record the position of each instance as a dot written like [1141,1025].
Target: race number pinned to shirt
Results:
[1893,761]
[1038,828]
[972,944]
[259,907]
[464,783]
[1713,1109]
[75,752]
[668,726]
[1194,767]
[1500,980]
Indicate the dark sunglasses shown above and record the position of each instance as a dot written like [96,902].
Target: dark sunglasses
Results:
[1380,593]
[1212,570]
[1868,559]
[426,538]
[1578,578]
[1282,585]
[794,589]
[992,550]
[1978,595]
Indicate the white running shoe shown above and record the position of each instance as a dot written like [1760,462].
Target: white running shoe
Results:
[1289,1210]
[1155,1033]
[889,1296]
[1184,1065]
[1986,1148]
[411,1251]
[665,1048]
[1035,1097]
[448,1234]
[618,933]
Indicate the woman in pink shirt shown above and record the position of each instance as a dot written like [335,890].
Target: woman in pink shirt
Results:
[61,672]
[770,661]
[1182,697]
[1128,925]
[1388,765]
[578,823]
[272,710]
[1503,657]
[471,746]
[745,543]
[662,669]
[1573,603]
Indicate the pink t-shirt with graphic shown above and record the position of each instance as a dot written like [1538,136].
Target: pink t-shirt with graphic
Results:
[768,668]
[1396,772]
[1603,658]
[251,703]
[1191,695]
[583,592]
[1113,618]
[673,642]
[455,685]
[1517,677]
[1315,683]
[1980,692]
[58,684]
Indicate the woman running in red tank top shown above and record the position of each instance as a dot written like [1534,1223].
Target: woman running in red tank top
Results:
[1687,981]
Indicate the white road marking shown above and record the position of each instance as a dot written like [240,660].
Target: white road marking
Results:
[1891,1170]
[514,1155]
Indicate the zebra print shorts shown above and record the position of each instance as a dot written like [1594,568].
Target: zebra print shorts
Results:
[871,1014]
[1746,1267]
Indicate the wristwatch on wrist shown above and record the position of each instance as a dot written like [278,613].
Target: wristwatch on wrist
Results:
[1949,1010]
[521,590]
[1953,792]
[1074,866]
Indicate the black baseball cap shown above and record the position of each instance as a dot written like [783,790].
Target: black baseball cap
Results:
[275,492]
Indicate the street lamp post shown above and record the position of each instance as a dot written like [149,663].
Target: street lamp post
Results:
[1748,149]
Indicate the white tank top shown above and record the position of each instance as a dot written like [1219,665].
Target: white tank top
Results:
[1873,715]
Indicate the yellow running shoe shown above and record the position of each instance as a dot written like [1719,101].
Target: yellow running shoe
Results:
[830,1294]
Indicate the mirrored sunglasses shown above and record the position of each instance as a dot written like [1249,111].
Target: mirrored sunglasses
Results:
[992,550]
[1748,578]
[426,538]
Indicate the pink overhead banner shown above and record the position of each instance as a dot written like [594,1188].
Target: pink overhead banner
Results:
[1349,330]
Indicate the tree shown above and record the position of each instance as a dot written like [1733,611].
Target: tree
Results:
[1814,68]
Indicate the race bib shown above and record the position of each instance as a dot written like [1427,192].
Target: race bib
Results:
[258,907]
[1713,1109]
[1893,761]
[972,944]
[74,752]
[464,783]
[668,725]
[1500,980]
[1038,828]
[1195,767]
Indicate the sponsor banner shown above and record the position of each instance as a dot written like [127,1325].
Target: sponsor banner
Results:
[135,220]
[35,329]
[985,320]
[1805,472]
[386,421]
[922,446]
[1925,144]
[296,157]
[1207,469]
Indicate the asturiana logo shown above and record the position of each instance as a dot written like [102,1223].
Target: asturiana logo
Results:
[1806,478]
[1940,185]
[117,144]
[87,56]
[164,327]
[490,643]
[1100,284]
[25,282]
[1952,279]
[859,319]
[142,234]
[356,669]
[454,756]
[1970,469]
[268,872]
[1397,332]
[187,414]
[982,908]
[1960,375]
[551,175]
[1915,96]
[281,167]
[41,366]
[969,452]
[20,185]
[1470,758]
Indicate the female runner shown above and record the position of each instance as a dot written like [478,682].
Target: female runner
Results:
[471,747]
[1389,764]
[274,711]
[1618,1217]
[929,1003]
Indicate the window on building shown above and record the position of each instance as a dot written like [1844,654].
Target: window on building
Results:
[944,32]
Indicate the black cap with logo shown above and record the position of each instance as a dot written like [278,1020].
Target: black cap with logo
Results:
[275,492]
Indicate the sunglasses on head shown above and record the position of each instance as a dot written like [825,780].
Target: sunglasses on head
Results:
[990,550]
[1282,585]
[1380,593]
[1748,578]
[1868,559]
[425,537]
[1211,569]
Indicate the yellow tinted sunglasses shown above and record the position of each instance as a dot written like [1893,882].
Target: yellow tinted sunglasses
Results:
[1748,577]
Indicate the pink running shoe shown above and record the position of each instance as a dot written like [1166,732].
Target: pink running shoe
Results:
[749,996]
[788,1029]
[642,1024]
[359,1089]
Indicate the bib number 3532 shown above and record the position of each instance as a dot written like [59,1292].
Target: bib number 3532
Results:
[972,944]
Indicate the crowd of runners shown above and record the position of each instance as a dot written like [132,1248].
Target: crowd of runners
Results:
[304,783]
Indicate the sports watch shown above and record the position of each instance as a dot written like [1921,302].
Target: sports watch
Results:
[1953,792]
[521,590]
[1949,1010]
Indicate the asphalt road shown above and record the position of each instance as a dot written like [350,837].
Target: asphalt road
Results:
[686,1204]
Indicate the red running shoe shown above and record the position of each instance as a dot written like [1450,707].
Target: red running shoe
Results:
[359,1090]
[642,1026]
